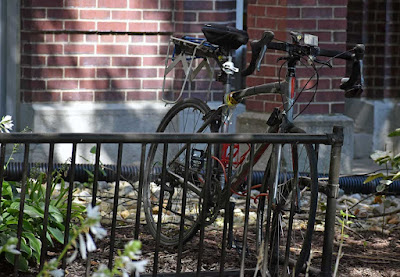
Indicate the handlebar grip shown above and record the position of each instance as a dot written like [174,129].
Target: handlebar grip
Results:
[335,53]
[256,47]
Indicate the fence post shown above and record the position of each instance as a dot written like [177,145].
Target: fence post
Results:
[332,194]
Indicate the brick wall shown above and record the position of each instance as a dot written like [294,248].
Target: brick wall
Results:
[102,50]
[379,22]
[324,18]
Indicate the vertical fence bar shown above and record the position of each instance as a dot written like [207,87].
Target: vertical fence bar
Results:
[160,209]
[227,212]
[115,208]
[49,181]
[2,169]
[21,205]
[183,210]
[69,201]
[140,191]
[332,194]
[204,209]
[94,196]
[247,212]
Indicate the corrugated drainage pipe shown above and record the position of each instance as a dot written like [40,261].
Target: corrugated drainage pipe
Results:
[13,172]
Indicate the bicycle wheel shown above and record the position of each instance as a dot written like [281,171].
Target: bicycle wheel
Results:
[187,116]
[291,209]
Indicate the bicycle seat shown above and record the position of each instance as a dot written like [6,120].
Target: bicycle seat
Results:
[225,36]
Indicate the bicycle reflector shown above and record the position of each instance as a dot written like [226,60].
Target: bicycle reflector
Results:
[198,157]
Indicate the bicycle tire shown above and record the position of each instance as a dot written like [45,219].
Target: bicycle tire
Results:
[276,219]
[174,121]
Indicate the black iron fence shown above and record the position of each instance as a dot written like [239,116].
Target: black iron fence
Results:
[209,243]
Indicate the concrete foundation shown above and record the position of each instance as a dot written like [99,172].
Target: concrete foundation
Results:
[313,124]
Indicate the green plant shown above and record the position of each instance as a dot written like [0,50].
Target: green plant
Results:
[34,214]
[392,163]
[126,262]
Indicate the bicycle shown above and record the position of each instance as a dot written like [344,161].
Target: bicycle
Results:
[184,179]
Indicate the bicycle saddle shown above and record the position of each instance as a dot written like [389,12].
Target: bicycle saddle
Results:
[225,36]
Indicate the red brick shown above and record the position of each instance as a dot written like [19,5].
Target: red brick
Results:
[142,50]
[167,4]
[309,24]
[49,38]
[332,24]
[255,105]
[33,60]
[94,84]
[109,96]
[60,37]
[216,16]
[80,3]
[95,14]
[315,108]
[80,72]
[153,61]
[329,96]
[78,96]
[126,61]
[122,38]
[76,38]
[33,84]
[141,95]
[185,16]
[111,73]
[41,96]
[267,23]
[33,13]
[43,48]
[111,26]
[92,38]
[62,61]
[62,14]
[340,12]
[80,25]
[126,15]
[113,4]
[43,3]
[62,84]
[198,5]
[276,12]
[94,61]
[111,49]
[49,73]
[79,49]
[143,4]
[46,25]
[107,38]
[124,84]
[337,108]
[333,3]
[302,2]
[142,73]
[157,15]
[143,27]
[316,12]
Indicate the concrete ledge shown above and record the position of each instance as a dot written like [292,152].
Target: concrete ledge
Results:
[137,117]
[313,124]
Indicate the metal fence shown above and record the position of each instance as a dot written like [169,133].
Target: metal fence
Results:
[118,232]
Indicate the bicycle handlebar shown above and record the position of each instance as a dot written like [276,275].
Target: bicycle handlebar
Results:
[351,86]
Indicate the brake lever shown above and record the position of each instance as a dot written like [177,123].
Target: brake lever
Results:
[323,62]
[261,57]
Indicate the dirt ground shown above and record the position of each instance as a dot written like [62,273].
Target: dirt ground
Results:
[365,253]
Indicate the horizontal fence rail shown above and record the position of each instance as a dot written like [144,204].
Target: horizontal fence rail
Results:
[119,228]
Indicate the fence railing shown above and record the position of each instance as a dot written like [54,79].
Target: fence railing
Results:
[121,228]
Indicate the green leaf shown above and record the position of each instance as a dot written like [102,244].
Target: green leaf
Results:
[33,212]
[93,150]
[57,234]
[54,212]
[380,187]
[396,176]
[22,261]
[35,244]
[25,248]
[395,133]
[373,177]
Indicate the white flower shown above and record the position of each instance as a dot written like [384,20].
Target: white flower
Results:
[82,247]
[90,243]
[6,124]
[73,257]
[11,248]
[93,212]
[57,273]
[98,231]
[140,266]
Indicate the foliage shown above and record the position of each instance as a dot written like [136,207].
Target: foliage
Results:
[125,264]
[33,215]
[392,163]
